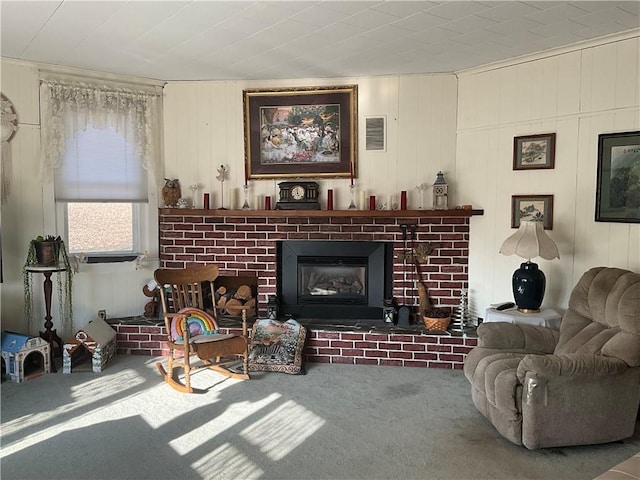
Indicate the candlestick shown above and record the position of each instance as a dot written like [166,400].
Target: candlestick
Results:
[352,205]
[194,190]
[246,206]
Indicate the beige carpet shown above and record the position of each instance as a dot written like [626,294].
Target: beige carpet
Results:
[336,422]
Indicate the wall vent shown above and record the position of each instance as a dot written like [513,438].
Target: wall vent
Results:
[376,138]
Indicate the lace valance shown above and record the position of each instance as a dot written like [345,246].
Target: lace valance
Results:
[68,107]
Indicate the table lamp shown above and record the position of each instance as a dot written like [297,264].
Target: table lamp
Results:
[528,281]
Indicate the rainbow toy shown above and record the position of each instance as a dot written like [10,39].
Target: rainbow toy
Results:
[199,323]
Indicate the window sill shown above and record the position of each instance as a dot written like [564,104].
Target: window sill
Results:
[113,263]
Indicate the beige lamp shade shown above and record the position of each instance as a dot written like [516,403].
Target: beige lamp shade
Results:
[530,241]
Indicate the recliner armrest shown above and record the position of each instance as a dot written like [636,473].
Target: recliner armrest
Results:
[510,336]
[570,365]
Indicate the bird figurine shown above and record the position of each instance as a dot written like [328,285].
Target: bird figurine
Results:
[171,192]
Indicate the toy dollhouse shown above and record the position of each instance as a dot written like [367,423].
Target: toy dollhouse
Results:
[97,339]
[25,357]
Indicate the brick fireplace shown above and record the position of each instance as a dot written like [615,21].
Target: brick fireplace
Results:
[244,243]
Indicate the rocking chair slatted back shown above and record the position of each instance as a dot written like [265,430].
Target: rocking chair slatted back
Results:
[185,287]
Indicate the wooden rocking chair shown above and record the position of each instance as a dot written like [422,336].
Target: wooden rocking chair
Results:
[193,332]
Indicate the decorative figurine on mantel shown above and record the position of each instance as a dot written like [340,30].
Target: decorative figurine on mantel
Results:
[440,195]
[171,192]
[222,171]
[421,189]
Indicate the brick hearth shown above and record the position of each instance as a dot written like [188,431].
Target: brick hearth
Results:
[407,349]
[243,243]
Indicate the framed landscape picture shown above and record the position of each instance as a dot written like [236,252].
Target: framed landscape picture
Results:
[534,152]
[301,132]
[532,207]
[618,180]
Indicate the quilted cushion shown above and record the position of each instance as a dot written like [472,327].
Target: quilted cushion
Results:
[277,346]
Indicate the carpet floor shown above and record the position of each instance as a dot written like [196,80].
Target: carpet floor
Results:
[335,422]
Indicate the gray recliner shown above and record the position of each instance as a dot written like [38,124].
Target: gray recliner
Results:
[543,388]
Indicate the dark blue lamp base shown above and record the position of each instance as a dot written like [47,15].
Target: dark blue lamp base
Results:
[528,287]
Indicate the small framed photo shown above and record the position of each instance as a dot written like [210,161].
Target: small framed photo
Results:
[618,184]
[534,152]
[532,207]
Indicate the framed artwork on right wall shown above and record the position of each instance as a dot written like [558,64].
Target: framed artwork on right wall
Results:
[618,178]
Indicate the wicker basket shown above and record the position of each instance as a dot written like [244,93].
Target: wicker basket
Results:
[436,324]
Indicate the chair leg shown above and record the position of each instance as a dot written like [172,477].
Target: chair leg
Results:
[245,362]
[187,369]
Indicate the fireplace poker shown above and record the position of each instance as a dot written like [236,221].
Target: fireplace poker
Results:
[404,312]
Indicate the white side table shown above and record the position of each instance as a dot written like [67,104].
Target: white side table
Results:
[546,317]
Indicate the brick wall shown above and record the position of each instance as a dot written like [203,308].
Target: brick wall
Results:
[244,244]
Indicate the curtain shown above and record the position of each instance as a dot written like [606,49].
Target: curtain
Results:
[68,108]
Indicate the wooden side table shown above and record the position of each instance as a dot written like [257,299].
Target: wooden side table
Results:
[49,333]
[546,317]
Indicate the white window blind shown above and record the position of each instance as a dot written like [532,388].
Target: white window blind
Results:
[99,165]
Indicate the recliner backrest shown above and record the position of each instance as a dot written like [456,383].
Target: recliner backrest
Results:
[603,316]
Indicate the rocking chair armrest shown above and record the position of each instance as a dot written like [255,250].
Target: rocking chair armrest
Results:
[167,325]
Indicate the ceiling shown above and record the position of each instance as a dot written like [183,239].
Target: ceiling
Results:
[220,40]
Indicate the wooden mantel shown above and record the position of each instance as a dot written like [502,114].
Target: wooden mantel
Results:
[457,212]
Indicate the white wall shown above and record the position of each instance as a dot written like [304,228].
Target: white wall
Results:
[204,129]
[30,211]
[578,94]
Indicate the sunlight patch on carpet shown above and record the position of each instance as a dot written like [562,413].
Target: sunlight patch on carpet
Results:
[281,431]
[227,461]
[234,414]
[96,390]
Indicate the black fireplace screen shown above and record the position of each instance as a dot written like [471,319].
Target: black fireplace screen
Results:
[345,280]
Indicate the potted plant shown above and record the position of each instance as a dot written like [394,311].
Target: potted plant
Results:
[49,251]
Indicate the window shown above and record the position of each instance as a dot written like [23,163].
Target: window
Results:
[101,147]
[101,228]
[99,179]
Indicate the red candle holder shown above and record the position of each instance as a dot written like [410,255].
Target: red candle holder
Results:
[372,202]
[267,202]
[205,201]
[403,200]
[330,199]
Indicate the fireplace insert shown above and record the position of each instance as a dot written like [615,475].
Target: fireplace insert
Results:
[339,280]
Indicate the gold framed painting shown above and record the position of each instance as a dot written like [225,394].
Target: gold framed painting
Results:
[301,132]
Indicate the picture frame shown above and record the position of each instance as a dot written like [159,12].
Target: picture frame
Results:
[618,178]
[301,132]
[532,207]
[534,152]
